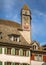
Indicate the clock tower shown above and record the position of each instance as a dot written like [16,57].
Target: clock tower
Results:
[26,23]
[26,18]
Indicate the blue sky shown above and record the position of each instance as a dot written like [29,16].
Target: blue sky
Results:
[10,10]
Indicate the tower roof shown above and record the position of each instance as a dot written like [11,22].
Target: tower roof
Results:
[25,7]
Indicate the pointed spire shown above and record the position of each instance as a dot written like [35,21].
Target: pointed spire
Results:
[25,7]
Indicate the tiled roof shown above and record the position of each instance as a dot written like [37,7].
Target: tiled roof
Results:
[10,23]
[44,45]
[10,28]
[25,7]
[35,42]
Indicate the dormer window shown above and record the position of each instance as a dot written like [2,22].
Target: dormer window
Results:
[14,37]
[34,47]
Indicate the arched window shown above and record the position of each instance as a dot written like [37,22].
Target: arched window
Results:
[13,51]
[27,53]
[5,50]
[21,52]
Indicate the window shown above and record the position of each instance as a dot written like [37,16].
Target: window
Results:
[26,12]
[16,63]
[24,64]
[21,52]
[0,63]
[11,38]
[34,47]
[17,39]
[16,51]
[27,53]
[38,57]
[0,50]
[7,51]
[12,63]
[14,37]
[21,64]
[7,63]
[13,51]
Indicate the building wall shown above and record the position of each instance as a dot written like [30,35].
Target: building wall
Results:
[44,58]
[37,63]
[26,35]
[13,58]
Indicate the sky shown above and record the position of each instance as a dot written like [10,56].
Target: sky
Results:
[11,9]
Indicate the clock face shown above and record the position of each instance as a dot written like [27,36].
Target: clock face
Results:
[26,20]
[26,26]
[26,23]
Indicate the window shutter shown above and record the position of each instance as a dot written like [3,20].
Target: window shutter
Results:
[13,51]
[0,63]
[5,50]
[12,63]
[21,64]
[21,52]
[5,63]
[0,50]
[27,53]
[28,64]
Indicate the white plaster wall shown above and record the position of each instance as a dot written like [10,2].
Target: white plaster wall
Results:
[10,58]
[37,63]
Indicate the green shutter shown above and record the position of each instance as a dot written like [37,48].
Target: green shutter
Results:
[28,64]
[5,50]
[12,63]
[27,53]
[21,64]
[5,63]
[21,52]
[13,51]
[0,63]
[0,50]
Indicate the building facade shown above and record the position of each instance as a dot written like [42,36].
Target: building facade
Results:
[16,45]
[15,40]
[38,54]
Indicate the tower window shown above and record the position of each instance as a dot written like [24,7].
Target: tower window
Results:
[25,12]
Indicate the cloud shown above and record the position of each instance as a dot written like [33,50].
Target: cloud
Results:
[38,25]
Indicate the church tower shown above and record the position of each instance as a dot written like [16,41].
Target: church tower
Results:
[26,18]
[26,23]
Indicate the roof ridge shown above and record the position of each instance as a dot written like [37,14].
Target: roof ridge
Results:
[10,23]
